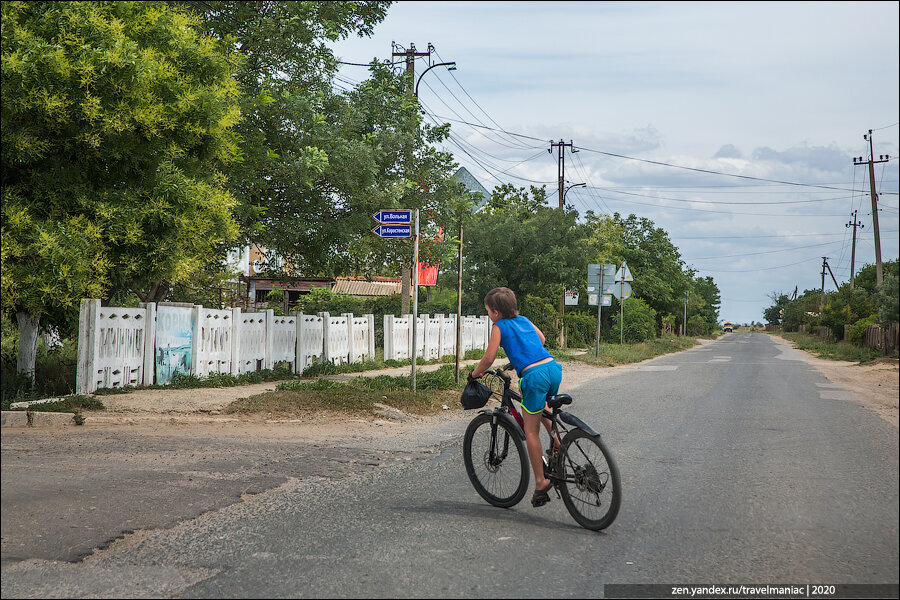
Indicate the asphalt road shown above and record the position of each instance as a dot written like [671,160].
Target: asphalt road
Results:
[740,464]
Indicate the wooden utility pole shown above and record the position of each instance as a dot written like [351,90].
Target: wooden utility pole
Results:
[854,224]
[871,162]
[822,293]
[561,172]
[410,55]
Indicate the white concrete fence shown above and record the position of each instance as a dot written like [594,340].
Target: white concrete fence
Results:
[120,347]
[436,335]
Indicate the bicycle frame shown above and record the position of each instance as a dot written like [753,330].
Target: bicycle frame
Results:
[507,411]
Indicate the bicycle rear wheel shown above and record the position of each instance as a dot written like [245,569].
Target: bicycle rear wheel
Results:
[496,461]
[591,491]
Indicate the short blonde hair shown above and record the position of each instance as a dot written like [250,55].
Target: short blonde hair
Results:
[503,300]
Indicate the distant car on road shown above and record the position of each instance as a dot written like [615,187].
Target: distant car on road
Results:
[727,327]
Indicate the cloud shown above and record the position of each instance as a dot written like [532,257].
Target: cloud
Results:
[728,151]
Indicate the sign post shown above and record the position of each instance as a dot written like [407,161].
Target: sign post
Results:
[415,315]
[600,278]
[623,275]
[396,223]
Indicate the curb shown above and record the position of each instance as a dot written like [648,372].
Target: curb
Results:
[28,418]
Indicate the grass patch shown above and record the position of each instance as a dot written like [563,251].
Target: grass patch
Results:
[611,355]
[830,349]
[293,399]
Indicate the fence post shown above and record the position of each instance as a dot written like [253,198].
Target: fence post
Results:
[86,325]
[150,345]
[236,341]
[388,337]
[370,322]
[197,327]
[410,337]
[270,337]
[326,335]
[350,345]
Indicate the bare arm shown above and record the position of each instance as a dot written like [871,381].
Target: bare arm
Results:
[490,354]
[540,334]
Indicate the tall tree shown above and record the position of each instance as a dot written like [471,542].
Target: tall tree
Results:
[522,244]
[116,117]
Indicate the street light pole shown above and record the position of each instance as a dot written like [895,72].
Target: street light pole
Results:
[451,67]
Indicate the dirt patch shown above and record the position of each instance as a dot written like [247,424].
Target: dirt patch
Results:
[876,384]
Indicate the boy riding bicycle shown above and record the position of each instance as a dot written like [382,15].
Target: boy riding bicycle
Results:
[539,374]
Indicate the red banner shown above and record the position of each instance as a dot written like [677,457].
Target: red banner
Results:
[428,274]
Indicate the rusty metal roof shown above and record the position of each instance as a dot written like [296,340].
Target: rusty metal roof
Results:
[366,288]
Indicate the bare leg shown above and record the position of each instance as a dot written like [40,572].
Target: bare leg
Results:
[535,453]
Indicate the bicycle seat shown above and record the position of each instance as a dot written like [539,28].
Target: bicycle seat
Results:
[558,400]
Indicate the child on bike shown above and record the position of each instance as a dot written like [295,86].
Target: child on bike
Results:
[539,374]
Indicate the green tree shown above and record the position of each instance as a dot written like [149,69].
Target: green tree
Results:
[772,314]
[533,251]
[660,276]
[704,302]
[319,160]
[116,118]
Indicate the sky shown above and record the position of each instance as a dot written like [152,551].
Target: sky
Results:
[732,126]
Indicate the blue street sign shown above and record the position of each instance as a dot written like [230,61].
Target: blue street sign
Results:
[393,217]
[393,231]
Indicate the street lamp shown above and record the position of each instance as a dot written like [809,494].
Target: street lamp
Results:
[574,185]
[451,65]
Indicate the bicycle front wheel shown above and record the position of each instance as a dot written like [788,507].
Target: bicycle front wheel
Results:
[591,491]
[496,461]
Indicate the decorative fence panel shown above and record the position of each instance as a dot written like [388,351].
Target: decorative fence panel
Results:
[337,338]
[310,341]
[252,342]
[283,346]
[468,331]
[397,337]
[112,347]
[448,335]
[361,337]
[215,346]
[432,336]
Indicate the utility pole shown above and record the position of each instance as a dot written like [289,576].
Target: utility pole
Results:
[410,55]
[561,166]
[825,265]
[871,162]
[854,224]
[822,293]
[561,171]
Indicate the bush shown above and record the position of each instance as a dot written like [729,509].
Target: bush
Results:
[856,333]
[542,313]
[581,330]
[639,323]
[54,369]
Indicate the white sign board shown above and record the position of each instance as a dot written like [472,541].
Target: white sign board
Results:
[622,291]
[623,274]
[571,297]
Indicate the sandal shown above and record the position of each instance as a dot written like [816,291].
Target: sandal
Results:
[541,497]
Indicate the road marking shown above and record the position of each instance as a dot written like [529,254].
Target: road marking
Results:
[720,359]
[658,368]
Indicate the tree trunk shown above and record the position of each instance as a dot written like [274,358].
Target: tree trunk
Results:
[29,329]
[405,283]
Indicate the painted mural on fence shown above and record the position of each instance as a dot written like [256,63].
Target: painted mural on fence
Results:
[174,333]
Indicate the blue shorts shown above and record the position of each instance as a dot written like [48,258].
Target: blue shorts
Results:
[537,383]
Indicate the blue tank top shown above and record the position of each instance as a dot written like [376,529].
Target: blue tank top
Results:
[519,339]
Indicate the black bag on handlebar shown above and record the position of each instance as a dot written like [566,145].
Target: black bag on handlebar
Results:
[475,395]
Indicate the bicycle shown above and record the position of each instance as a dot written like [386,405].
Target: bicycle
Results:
[582,470]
